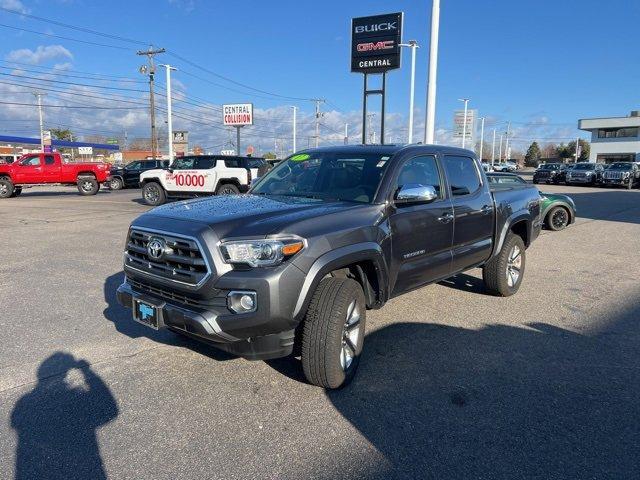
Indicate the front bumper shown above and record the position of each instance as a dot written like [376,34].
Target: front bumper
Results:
[205,325]
[590,179]
[616,182]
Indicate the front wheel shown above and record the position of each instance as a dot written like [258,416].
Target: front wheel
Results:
[333,333]
[88,186]
[503,273]
[557,218]
[116,184]
[6,188]
[153,194]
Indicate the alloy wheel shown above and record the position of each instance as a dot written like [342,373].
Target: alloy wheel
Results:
[87,186]
[152,194]
[560,219]
[514,264]
[350,336]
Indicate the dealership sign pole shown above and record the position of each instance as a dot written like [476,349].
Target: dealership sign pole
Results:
[375,49]
[237,115]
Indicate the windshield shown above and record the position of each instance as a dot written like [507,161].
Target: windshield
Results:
[619,166]
[326,175]
[550,166]
[584,166]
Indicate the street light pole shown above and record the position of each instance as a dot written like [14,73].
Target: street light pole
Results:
[429,124]
[169,121]
[295,109]
[464,124]
[493,149]
[40,114]
[481,138]
[413,45]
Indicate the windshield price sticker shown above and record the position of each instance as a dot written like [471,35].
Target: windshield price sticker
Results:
[301,157]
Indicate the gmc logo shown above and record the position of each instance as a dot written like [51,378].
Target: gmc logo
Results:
[371,46]
[380,27]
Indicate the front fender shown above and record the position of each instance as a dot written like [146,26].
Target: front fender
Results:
[515,217]
[339,258]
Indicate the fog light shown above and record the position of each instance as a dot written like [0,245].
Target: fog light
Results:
[242,301]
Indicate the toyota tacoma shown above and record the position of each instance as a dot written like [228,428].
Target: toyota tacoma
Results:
[293,266]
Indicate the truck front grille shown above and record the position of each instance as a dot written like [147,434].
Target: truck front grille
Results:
[181,260]
[219,298]
[613,175]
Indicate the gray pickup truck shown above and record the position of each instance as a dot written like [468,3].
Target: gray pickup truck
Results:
[293,266]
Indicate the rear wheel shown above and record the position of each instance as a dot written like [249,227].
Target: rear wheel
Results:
[6,188]
[503,273]
[557,218]
[333,333]
[88,186]
[153,194]
[227,189]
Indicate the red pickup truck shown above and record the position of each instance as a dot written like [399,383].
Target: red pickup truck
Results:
[49,168]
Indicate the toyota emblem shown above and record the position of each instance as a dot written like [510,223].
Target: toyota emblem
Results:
[156,248]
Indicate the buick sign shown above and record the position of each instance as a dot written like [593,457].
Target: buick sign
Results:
[375,43]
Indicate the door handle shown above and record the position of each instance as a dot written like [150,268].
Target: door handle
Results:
[486,210]
[445,218]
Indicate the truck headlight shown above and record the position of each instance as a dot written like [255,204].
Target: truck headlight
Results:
[261,252]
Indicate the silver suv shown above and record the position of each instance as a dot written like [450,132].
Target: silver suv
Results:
[585,173]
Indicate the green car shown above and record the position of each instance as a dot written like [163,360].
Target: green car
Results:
[558,210]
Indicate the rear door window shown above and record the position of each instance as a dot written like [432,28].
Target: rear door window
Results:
[463,175]
[232,163]
[49,160]
[205,163]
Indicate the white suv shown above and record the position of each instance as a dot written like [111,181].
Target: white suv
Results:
[199,175]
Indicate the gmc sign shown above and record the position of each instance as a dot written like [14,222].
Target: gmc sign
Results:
[375,43]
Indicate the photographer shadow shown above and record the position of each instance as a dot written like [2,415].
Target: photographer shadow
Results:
[57,421]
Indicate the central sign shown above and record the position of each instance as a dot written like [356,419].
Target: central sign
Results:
[375,43]
[237,114]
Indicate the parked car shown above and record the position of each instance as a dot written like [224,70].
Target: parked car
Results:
[198,176]
[487,167]
[48,168]
[324,236]
[625,174]
[585,174]
[128,176]
[505,167]
[558,210]
[561,176]
[546,173]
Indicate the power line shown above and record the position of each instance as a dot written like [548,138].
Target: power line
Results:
[96,107]
[64,38]
[61,74]
[107,76]
[72,83]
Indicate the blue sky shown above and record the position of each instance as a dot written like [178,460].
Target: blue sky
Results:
[531,62]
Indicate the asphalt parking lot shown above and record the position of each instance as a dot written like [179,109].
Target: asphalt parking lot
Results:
[453,383]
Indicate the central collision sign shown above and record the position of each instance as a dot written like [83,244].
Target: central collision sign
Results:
[237,114]
[375,43]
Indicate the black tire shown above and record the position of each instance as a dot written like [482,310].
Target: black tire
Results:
[557,219]
[6,188]
[535,182]
[16,192]
[496,272]
[116,183]
[153,194]
[227,189]
[88,186]
[335,303]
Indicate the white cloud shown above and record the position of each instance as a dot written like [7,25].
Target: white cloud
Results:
[15,5]
[40,55]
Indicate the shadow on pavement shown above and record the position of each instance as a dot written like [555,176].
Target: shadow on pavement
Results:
[612,205]
[56,422]
[124,323]
[500,402]
[465,283]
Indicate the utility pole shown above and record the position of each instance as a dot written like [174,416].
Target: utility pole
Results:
[318,116]
[346,133]
[464,124]
[169,121]
[152,110]
[481,137]
[577,148]
[500,151]
[295,109]
[506,145]
[493,148]
[413,45]
[429,124]
[39,97]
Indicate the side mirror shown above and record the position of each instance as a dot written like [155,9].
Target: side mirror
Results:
[416,193]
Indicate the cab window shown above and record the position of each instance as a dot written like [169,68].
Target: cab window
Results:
[421,170]
[463,175]
[31,161]
[205,163]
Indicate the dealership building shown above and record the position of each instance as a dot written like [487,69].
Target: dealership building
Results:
[613,139]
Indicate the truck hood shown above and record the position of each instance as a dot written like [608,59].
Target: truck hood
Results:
[249,215]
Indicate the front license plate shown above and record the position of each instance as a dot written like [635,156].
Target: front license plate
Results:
[145,313]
